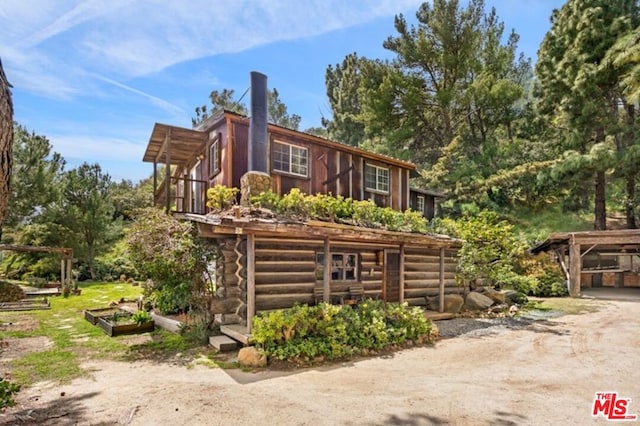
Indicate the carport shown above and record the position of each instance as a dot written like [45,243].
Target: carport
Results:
[592,259]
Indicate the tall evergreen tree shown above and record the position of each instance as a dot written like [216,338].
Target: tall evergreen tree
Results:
[36,176]
[343,83]
[579,90]
[451,89]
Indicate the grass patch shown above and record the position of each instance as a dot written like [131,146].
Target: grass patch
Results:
[75,339]
[57,365]
[569,305]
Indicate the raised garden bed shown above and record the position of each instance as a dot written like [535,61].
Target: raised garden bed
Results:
[92,315]
[123,326]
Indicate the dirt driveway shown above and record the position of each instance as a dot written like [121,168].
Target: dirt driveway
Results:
[543,374]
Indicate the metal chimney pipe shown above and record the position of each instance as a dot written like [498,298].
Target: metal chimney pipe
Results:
[258,123]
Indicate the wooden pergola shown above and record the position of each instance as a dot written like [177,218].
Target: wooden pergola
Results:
[570,248]
[66,261]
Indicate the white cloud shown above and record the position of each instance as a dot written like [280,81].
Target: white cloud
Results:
[134,38]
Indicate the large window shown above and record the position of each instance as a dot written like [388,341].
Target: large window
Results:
[376,178]
[290,159]
[344,266]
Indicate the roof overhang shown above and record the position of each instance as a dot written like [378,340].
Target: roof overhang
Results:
[212,226]
[628,239]
[173,145]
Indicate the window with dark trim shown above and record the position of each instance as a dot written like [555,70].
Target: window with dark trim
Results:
[290,159]
[344,266]
[420,203]
[376,178]
[214,157]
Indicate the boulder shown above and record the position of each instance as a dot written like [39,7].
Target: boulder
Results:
[250,357]
[496,296]
[477,302]
[513,297]
[452,303]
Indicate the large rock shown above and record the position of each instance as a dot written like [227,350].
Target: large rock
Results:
[250,357]
[452,303]
[496,296]
[513,297]
[477,302]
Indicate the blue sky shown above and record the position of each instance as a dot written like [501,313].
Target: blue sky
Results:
[94,76]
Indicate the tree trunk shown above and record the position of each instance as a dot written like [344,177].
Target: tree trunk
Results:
[631,196]
[600,203]
[6,144]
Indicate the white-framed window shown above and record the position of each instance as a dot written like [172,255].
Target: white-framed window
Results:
[376,178]
[214,157]
[290,159]
[420,203]
[344,266]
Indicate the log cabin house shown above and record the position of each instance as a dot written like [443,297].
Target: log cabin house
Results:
[269,264]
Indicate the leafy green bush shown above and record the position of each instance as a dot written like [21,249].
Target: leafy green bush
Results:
[221,197]
[549,281]
[7,390]
[339,209]
[169,252]
[303,334]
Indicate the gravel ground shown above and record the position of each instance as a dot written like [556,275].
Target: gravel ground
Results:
[481,326]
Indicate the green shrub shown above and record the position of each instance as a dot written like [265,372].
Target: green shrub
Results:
[141,317]
[303,334]
[7,390]
[339,209]
[221,197]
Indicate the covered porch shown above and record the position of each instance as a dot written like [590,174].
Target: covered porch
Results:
[180,187]
[596,258]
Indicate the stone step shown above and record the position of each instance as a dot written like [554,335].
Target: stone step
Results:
[237,332]
[222,343]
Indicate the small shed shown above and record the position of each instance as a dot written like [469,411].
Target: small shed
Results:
[596,258]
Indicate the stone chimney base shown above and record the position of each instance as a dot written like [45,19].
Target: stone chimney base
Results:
[252,184]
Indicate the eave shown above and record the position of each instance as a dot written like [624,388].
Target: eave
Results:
[212,226]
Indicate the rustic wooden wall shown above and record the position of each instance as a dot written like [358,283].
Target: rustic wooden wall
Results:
[422,274]
[285,274]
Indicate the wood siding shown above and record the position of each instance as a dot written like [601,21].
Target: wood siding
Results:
[422,274]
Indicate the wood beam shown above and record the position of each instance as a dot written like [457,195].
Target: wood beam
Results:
[441,281]
[575,267]
[167,172]
[401,267]
[251,280]
[326,277]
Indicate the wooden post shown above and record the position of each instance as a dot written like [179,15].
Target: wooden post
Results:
[326,278]
[575,266]
[441,305]
[167,174]
[63,269]
[251,280]
[155,183]
[401,273]
[68,274]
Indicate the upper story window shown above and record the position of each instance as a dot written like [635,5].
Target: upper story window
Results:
[420,203]
[376,178]
[214,157]
[291,159]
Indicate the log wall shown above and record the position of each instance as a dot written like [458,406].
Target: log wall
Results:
[422,274]
[285,274]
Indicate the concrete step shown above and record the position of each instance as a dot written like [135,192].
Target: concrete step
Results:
[223,343]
